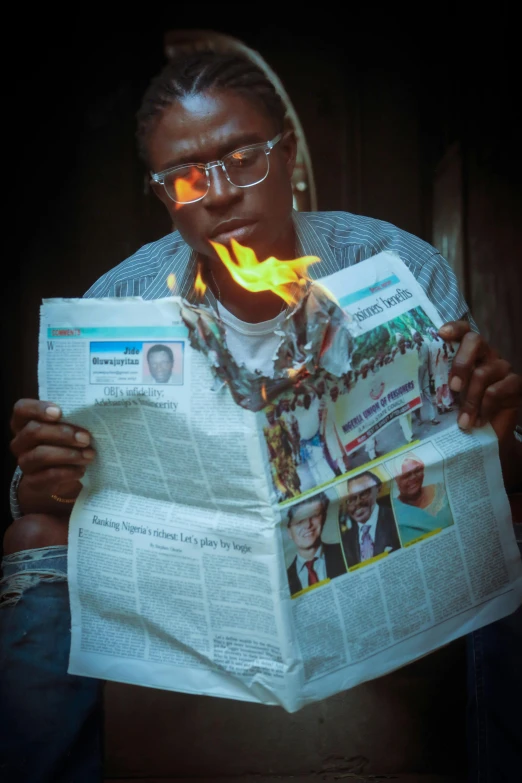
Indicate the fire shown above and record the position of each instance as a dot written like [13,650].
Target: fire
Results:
[171,282]
[190,188]
[263,393]
[280,277]
[199,286]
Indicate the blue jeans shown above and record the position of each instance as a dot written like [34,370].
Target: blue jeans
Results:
[494,713]
[53,721]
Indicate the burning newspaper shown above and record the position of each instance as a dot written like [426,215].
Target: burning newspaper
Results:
[275,539]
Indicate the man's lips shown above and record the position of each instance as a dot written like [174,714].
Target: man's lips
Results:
[232,229]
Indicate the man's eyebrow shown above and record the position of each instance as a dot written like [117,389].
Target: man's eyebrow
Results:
[232,144]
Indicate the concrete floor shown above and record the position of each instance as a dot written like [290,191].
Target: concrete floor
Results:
[406,727]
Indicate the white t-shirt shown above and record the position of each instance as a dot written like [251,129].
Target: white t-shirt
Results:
[253,345]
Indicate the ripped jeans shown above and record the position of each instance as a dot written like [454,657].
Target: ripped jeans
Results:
[52,722]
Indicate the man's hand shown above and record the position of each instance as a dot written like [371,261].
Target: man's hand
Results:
[52,455]
[489,390]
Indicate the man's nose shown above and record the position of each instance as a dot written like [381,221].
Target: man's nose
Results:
[221,191]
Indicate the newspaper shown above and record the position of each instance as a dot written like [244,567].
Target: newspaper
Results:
[284,553]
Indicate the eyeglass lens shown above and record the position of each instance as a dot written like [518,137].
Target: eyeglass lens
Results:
[359,496]
[244,167]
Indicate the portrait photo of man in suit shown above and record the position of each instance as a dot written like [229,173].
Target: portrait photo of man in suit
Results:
[160,361]
[370,526]
[315,560]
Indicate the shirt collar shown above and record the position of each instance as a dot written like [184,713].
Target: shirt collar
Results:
[301,563]
[310,243]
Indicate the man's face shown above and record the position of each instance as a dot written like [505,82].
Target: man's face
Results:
[204,128]
[307,524]
[160,366]
[410,479]
[362,496]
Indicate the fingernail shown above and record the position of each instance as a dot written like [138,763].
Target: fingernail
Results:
[464,421]
[456,384]
[82,438]
[53,412]
[445,331]
[89,453]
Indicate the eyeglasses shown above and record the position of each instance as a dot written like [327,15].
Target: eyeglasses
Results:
[362,496]
[243,168]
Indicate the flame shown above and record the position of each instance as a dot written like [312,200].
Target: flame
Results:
[269,275]
[171,282]
[199,286]
[186,189]
[263,393]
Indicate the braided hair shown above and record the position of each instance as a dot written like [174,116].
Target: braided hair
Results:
[198,71]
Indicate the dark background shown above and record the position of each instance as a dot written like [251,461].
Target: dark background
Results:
[381,104]
[413,120]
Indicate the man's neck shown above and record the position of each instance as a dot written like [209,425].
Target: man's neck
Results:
[309,554]
[245,305]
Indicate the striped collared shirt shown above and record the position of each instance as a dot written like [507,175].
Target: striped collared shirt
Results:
[340,239]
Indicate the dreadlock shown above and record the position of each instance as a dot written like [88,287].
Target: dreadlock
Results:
[195,72]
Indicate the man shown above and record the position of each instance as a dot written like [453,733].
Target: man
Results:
[425,377]
[405,420]
[161,362]
[221,115]
[439,364]
[290,420]
[315,560]
[372,528]
[314,467]
[333,448]
[278,439]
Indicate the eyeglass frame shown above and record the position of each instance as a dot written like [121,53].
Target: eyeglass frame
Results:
[361,496]
[267,146]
